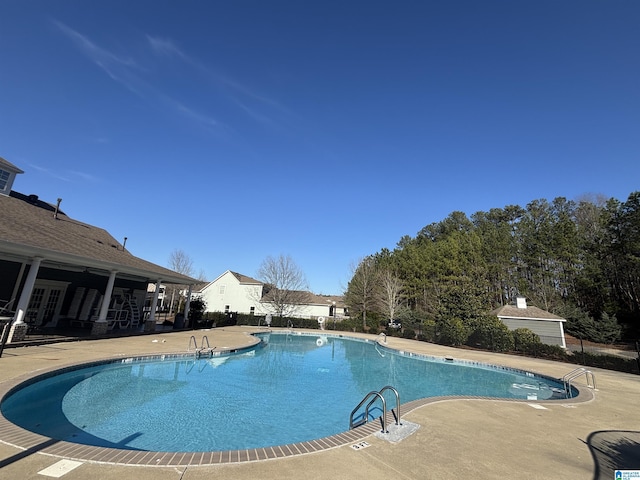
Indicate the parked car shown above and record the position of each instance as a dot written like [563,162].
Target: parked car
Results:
[395,324]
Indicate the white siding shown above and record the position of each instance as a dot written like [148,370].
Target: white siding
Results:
[239,297]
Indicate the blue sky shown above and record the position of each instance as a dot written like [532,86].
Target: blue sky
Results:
[325,130]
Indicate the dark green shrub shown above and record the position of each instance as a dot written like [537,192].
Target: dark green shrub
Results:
[197,306]
[491,334]
[452,332]
[611,362]
[409,333]
[554,352]
[525,340]
[429,331]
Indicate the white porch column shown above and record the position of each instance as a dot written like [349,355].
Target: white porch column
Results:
[16,286]
[156,294]
[186,306]
[106,301]
[23,303]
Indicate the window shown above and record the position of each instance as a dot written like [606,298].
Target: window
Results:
[4,179]
[226,309]
[252,310]
[221,289]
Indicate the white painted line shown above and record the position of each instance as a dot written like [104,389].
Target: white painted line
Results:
[536,406]
[60,468]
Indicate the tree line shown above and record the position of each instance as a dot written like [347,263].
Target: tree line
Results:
[577,259]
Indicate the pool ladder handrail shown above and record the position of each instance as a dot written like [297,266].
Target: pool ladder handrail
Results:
[573,374]
[200,351]
[382,334]
[376,395]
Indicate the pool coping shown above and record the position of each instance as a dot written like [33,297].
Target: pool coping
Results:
[31,442]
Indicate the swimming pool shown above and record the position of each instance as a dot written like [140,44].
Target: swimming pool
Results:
[290,388]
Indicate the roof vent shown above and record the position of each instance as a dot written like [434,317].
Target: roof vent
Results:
[33,198]
[521,302]
[55,214]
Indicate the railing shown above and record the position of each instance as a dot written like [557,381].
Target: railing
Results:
[376,395]
[573,374]
[200,351]
[382,334]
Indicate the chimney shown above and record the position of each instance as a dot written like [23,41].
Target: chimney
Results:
[521,302]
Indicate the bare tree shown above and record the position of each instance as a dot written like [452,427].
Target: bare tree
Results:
[202,276]
[361,291]
[390,292]
[286,286]
[179,262]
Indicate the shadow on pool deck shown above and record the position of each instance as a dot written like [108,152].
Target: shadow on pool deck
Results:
[614,450]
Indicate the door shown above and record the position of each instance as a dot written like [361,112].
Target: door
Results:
[45,303]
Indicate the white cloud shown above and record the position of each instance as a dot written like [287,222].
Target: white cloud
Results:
[165,47]
[86,177]
[46,171]
[129,72]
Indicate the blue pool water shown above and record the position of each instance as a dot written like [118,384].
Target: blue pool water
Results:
[291,388]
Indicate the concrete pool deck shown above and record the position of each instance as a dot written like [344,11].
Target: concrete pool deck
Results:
[469,438]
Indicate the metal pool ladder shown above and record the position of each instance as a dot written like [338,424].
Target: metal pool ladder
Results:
[202,350]
[376,395]
[573,374]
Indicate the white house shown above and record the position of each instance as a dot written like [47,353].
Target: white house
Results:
[234,292]
[547,326]
[328,306]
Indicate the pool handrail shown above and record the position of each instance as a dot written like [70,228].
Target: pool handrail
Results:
[376,395]
[573,374]
[202,349]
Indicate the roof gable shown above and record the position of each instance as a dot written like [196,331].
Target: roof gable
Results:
[8,166]
[233,276]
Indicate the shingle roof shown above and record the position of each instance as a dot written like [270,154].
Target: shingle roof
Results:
[308,298]
[314,299]
[28,227]
[531,312]
[244,279]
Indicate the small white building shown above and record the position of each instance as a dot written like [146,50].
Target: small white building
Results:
[546,325]
[234,292]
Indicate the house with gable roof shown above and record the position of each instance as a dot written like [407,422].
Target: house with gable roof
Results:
[57,271]
[546,325]
[231,292]
[234,292]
